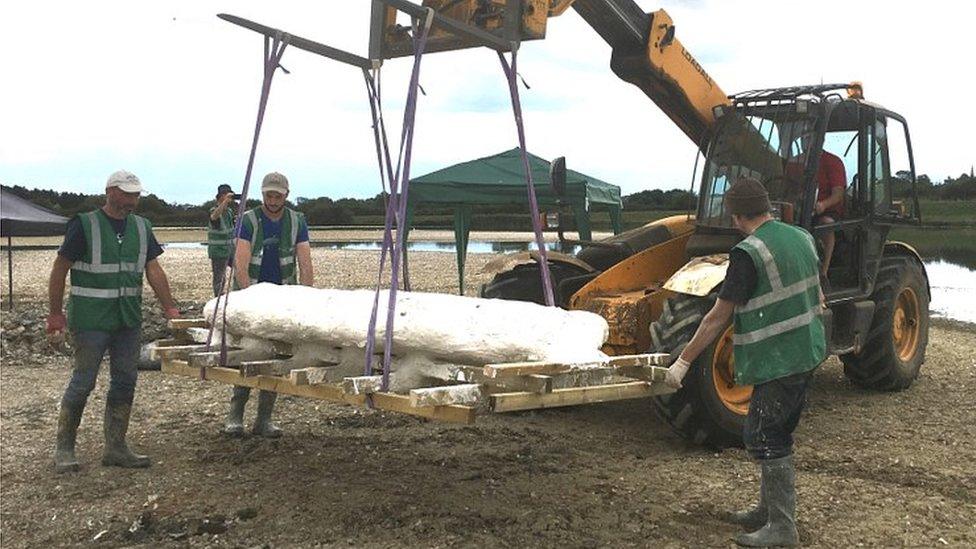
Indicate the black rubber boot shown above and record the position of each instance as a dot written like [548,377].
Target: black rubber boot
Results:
[64,449]
[234,426]
[755,517]
[780,529]
[262,425]
[117,453]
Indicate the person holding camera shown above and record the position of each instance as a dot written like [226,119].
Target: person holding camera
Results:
[220,234]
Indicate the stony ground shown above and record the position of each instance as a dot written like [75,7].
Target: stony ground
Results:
[873,469]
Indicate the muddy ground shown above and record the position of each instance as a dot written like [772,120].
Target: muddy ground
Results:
[873,469]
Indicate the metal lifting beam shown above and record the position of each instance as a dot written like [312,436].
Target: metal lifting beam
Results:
[300,43]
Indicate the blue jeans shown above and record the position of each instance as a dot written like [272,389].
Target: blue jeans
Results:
[90,347]
[774,413]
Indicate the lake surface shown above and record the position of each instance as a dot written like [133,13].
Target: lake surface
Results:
[949,257]
[474,246]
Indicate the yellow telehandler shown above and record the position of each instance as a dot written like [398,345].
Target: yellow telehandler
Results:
[653,284]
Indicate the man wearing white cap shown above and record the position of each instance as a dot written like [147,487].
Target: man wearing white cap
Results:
[106,251]
[273,242]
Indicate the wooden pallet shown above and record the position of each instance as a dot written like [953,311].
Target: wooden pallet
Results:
[471,390]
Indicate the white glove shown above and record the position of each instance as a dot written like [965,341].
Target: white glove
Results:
[677,372]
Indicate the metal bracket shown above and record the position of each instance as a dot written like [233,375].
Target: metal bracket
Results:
[380,50]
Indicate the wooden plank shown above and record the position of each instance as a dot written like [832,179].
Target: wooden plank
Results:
[510,402]
[176,352]
[532,383]
[644,373]
[234,357]
[308,376]
[172,342]
[183,323]
[265,368]
[361,385]
[298,377]
[330,392]
[585,378]
[467,394]
[647,359]
[513,369]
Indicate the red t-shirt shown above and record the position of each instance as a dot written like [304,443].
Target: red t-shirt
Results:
[830,174]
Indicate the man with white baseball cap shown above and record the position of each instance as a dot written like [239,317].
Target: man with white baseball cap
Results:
[273,248]
[107,251]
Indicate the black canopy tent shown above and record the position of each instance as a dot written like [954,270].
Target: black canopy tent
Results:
[19,217]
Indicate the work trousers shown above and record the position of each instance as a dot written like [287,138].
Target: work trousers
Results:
[219,267]
[90,346]
[774,413]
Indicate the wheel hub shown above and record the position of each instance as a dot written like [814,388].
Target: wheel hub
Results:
[905,324]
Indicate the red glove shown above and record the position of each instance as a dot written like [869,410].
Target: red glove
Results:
[56,322]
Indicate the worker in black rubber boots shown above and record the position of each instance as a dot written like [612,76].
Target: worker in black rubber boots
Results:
[772,294]
[273,247]
[107,252]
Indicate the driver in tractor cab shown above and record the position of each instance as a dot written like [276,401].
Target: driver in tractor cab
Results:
[829,208]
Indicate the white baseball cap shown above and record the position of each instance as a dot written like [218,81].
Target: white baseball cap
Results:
[127,181]
[275,181]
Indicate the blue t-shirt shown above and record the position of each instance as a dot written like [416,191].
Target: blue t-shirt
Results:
[271,230]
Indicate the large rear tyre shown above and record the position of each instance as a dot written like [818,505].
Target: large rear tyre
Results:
[709,409]
[524,283]
[895,347]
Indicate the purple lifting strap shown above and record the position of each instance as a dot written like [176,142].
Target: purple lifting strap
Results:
[273,50]
[396,208]
[512,74]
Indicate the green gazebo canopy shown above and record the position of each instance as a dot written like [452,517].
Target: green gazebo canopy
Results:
[500,179]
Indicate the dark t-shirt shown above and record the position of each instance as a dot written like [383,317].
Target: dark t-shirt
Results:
[75,245]
[740,279]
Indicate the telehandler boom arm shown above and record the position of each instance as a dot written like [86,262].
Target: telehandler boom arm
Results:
[645,50]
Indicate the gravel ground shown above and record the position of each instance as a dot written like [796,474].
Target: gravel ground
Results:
[873,469]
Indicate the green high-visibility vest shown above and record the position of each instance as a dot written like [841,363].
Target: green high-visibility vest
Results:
[779,332]
[221,240]
[291,221]
[106,284]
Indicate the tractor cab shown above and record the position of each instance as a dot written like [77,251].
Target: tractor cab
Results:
[796,141]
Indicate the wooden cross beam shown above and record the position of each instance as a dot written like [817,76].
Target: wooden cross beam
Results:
[362,385]
[467,394]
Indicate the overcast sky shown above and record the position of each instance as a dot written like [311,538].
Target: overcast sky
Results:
[169,92]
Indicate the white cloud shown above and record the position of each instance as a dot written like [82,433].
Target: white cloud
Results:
[170,92]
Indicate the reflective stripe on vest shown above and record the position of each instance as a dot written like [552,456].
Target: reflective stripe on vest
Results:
[778,331]
[106,294]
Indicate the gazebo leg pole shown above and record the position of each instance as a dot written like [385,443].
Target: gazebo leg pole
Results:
[10,274]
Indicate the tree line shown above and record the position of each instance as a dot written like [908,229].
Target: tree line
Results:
[370,211]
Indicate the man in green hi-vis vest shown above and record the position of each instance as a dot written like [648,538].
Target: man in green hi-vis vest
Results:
[772,294]
[220,235]
[107,252]
[273,242]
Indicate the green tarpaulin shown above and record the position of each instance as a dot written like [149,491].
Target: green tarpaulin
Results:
[500,179]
